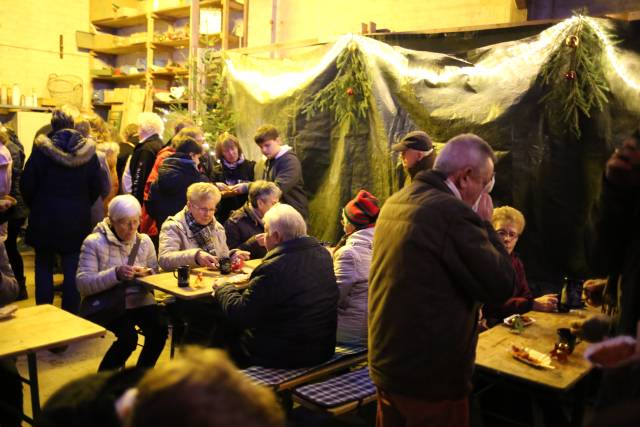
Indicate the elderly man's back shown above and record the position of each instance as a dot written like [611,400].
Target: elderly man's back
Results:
[434,260]
[289,311]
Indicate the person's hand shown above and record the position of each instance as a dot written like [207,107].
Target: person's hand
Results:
[240,188]
[125,272]
[260,238]
[485,207]
[5,205]
[623,167]
[243,255]
[205,259]
[142,271]
[222,186]
[546,303]
[594,291]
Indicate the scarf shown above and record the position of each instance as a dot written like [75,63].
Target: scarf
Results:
[233,166]
[201,234]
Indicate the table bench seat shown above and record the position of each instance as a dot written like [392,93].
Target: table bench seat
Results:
[338,395]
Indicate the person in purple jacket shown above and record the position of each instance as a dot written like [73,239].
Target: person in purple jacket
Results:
[509,224]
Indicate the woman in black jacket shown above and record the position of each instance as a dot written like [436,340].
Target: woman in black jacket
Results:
[168,194]
[59,184]
[232,174]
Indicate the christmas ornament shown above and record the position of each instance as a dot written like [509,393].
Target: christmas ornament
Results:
[350,91]
[570,75]
[572,41]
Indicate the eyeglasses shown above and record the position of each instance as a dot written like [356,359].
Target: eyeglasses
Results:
[510,234]
[203,209]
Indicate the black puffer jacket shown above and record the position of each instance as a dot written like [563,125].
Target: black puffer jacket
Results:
[59,184]
[168,195]
[241,229]
[142,160]
[289,310]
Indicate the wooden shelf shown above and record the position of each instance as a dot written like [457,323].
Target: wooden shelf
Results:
[14,108]
[122,77]
[169,74]
[174,13]
[185,102]
[181,44]
[122,22]
[119,50]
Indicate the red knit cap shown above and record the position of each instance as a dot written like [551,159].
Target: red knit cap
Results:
[363,210]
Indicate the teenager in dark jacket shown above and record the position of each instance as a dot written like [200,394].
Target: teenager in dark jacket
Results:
[289,311]
[144,154]
[168,195]
[231,175]
[17,215]
[282,167]
[245,226]
[59,184]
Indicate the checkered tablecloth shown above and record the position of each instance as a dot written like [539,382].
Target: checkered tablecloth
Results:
[350,387]
[273,377]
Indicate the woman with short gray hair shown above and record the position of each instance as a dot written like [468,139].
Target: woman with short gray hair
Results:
[113,256]
[193,236]
[245,226]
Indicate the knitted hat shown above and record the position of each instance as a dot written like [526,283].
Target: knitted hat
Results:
[417,140]
[362,211]
[188,145]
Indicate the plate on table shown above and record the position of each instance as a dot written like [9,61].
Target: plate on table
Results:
[532,357]
[7,311]
[235,279]
[512,320]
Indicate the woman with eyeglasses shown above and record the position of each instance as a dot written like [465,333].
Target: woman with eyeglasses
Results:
[509,224]
[193,236]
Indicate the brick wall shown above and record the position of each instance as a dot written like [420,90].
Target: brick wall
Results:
[29,43]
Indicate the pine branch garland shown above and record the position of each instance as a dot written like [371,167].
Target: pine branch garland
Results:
[574,78]
[348,96]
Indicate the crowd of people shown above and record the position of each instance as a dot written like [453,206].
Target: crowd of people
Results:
[414,279]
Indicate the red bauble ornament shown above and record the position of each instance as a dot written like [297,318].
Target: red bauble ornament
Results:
[350,91]
[570,75]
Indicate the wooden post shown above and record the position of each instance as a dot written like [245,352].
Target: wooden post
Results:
[194,58]
[148,76]
[245,24]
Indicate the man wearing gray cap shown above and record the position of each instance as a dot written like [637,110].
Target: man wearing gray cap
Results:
[417,154]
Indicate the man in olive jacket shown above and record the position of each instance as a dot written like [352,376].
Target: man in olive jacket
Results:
[434,261]
[288,313]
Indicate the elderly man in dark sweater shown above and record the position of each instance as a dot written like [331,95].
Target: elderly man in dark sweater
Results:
[435,259]
[288,314]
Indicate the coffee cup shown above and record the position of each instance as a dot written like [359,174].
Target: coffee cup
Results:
[182,273]
[225,265]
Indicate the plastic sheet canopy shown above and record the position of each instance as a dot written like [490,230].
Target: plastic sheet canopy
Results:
[493,92]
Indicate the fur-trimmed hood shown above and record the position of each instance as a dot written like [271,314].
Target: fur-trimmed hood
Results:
[67,147]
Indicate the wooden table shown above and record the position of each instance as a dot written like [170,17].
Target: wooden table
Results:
[167,282]
[38,328]
[493,351]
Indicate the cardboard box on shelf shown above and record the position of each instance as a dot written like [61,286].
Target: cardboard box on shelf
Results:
[117,95]
[101,9]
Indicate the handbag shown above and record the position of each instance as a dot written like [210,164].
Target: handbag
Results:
[106,306]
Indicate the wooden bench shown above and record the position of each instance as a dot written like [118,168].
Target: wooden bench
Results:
[338,395]
[286,379]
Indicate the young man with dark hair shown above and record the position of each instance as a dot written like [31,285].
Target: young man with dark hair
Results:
[283,168]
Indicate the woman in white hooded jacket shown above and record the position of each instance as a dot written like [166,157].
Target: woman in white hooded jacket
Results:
[104,264]
[351,262]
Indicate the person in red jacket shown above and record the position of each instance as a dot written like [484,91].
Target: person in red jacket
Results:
[509,224]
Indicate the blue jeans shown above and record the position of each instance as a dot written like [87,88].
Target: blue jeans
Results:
[44,279]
